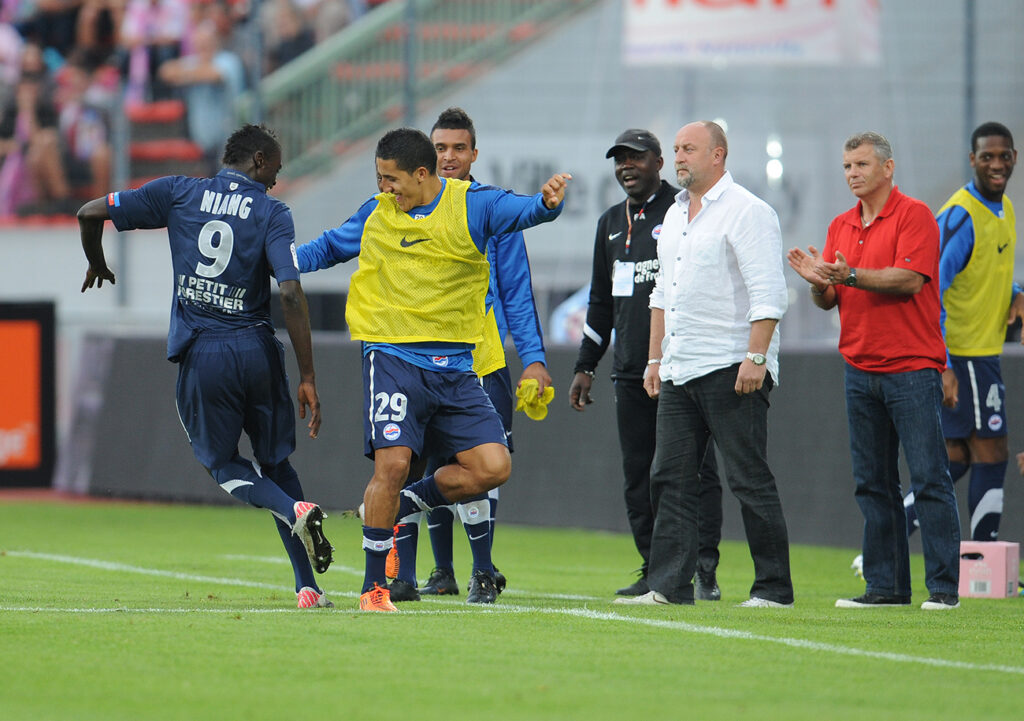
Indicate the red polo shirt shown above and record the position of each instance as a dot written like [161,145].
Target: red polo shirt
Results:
[882,333]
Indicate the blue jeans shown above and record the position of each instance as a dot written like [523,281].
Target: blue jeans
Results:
[886,411]
[688,416]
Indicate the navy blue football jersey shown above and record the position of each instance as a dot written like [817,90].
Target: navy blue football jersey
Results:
[227,238]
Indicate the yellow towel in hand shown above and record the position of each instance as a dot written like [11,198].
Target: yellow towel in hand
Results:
[534,405]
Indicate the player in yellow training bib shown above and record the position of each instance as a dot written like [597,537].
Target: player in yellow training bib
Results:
[417,303]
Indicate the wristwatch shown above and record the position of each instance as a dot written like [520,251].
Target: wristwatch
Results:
[851,279]
[757,359]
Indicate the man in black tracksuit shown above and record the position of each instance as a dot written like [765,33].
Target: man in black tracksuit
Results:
[625,265]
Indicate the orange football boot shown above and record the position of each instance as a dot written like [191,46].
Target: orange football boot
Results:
[377,598]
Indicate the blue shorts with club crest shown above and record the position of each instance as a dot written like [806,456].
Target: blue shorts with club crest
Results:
[234,381]
[405,405]
[981,409]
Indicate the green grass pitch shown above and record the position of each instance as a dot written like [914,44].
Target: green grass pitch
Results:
[136,611]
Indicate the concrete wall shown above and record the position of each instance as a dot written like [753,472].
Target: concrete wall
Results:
[127,441]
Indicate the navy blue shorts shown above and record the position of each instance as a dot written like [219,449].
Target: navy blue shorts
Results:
[235,381]
[498,386]
[405,405]
[982,406]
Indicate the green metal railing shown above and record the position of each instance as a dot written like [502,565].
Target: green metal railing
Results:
[355,83]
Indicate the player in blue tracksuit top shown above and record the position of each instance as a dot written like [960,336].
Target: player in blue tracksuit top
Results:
[417,303]
[509,304]
[979,298]
[227,237]
[487,207]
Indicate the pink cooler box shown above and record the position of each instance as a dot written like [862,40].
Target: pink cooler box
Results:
[989,570]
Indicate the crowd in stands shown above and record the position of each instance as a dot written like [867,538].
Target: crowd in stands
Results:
[66,66]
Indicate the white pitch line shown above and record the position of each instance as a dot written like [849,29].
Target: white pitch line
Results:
[500,608]
[578,613]
[279,560]
[792,642]
[229,611]
[125,568]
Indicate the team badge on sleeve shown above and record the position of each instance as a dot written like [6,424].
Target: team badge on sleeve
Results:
[114,200]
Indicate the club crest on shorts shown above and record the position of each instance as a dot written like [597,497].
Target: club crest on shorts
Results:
[440,360]
[473,512]
[995,422]
[392,431]
[656,231]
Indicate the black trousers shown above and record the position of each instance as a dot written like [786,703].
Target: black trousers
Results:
[688,415]
[637,415]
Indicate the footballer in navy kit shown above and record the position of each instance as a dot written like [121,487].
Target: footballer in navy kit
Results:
[227,237]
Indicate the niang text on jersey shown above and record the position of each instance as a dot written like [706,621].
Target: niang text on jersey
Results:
[228,204]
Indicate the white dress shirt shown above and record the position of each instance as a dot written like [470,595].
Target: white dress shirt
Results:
[719,272]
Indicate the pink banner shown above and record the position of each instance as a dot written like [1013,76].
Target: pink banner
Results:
[746,32]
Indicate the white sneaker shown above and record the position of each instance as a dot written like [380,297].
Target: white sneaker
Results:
[858,566]
[941,602]
[651,598]
[756,602]
[308,598]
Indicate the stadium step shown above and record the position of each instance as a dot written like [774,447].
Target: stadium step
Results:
[179,149]
[159,143]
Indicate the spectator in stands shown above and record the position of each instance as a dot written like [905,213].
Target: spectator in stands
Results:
[290,37]
[16,12]
[152,33]
[84,103]
[328,17]
[236,27]
[99,27]
[223,14]
[32,178]
[52,25]
[11,46]
[210,79]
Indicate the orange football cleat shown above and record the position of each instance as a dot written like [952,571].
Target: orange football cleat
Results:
[377,598]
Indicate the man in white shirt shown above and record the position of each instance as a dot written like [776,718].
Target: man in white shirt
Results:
[713,359]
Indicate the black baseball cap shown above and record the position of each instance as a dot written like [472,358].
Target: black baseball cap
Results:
[636,139]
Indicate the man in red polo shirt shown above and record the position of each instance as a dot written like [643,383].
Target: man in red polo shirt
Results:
[880,266]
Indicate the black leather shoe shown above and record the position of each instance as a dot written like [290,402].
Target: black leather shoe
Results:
[481,589]
[441,583]
[403,591]
[941,602]
[873,600]
[705,586]
[638,588]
